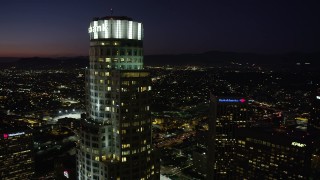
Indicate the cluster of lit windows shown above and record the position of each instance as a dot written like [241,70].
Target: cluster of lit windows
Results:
[17,161]
[275,158]
[266,143]
[134,74]
[125,145]
[120,66]
[105,61]
[114,51]
[113,91]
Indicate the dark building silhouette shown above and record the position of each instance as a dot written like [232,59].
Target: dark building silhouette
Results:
[227,115]
[16,152]
[64,168]
[274,153]
[199,159]
[241,149]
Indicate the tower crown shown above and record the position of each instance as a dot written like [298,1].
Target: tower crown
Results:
[115,27]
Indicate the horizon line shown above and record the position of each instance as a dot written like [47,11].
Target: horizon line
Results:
[182,53]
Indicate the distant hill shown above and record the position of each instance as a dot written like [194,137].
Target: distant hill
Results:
[207,59]
[64,62]
[48,63]
[8,59]
[218,57]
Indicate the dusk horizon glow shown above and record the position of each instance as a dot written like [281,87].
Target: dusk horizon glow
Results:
[60,29]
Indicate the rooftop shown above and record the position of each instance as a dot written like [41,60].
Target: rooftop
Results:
[282,136]
[113,17]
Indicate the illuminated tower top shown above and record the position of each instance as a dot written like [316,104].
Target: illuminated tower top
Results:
[115,44]
[115,27]
[116,139]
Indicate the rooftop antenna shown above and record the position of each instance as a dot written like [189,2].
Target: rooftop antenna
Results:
[111,11]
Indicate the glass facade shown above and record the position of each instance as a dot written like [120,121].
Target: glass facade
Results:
[227,114]
[16,155]
[240,149]
[268,153]
[116,135]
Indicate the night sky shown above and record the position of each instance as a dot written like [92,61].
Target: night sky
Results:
[59,27]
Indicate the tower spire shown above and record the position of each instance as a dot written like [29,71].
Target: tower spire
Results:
[111,11]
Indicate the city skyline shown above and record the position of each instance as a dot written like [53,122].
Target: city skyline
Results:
[59,28]
[159,90]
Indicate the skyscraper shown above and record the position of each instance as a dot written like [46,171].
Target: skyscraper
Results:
[16,152]
[277,153]
[227,114]
[115,140]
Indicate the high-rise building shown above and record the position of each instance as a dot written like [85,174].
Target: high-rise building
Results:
[227,114]
[115,139]
[16,153]
[277,153]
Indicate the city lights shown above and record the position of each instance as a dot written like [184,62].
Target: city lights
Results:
[232,100]
[16,134]
[298,144]
[209,93]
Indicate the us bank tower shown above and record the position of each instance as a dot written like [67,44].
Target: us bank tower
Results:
[115,138]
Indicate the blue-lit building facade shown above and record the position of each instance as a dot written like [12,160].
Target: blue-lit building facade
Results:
[115,138]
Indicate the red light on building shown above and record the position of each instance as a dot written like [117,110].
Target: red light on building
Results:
[242,100]
[66,174]
[5,136]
